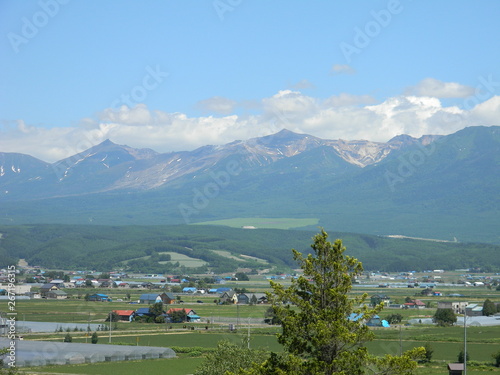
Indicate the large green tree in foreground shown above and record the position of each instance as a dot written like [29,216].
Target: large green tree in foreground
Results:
[323,329]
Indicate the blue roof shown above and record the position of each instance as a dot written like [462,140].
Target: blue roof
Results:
[149,296]
[355,317]
[142,310]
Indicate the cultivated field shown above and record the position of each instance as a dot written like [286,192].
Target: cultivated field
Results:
[192,340]
[262,222]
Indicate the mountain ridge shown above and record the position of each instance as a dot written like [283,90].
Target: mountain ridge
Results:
[431,187]
[143,169]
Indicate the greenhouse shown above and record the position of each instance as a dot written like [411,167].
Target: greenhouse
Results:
[40,353]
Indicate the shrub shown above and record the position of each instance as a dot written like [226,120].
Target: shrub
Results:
[460,357]
[496,357]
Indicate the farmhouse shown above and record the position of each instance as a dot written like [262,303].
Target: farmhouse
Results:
[150,298]
[229,297]
[191,315]
[99,297]
[474,310]
[56,294]
[379,298]
[414,304]
[143,311]
[252,298]
[45,288]
[457,307]
[125,315]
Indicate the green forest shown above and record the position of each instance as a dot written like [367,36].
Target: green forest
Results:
[145,248]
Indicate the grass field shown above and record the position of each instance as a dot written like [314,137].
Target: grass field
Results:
[262,222]
[177,366]
[445,341]
[239,257]
[184,260]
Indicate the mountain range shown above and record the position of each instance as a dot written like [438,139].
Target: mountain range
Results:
[441,187]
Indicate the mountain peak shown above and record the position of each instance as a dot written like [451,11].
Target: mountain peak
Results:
[107,142]
[281,137]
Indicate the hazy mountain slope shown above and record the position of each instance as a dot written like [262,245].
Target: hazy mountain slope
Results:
[434,187]
[106,247]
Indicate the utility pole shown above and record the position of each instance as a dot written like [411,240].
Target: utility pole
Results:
[465,342]
[248,338]
[400,341]
[110,317]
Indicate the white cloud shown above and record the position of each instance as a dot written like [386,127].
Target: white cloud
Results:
[303,85]
[344,100]
[342,69]
[217,104]
[440,89]
[138,115]
[339,117]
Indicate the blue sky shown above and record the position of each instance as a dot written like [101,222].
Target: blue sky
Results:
[175,75]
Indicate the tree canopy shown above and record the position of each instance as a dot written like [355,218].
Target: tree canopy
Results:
[445,317]
[323,328]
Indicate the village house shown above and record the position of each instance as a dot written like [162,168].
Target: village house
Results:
[252,298]
[474,310]
[56,294]
[99,297]
[191,315]
[379,298]
[414,304]
[45,288]
[456,306]
[150,298]
[125,315]
[229,297]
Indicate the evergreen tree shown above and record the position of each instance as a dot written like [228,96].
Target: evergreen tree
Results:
[68,338]
[323,330]
[228,357]
[496,357]
[489,308]
[428,353]
[460,357]
[94,338]
[445,317]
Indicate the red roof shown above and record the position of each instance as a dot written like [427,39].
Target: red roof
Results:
[124,312]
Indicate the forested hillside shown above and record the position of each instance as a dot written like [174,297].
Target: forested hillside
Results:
[144,248]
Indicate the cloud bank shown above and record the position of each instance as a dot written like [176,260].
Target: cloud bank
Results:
[344,116]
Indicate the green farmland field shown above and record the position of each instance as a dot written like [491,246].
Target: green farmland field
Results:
[266,223]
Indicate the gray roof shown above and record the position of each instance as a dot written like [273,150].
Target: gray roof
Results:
[456,366]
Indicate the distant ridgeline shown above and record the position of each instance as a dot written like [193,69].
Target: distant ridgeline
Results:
[197,248]
[429,187]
